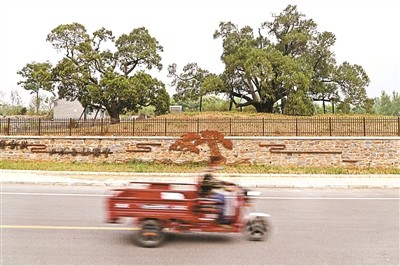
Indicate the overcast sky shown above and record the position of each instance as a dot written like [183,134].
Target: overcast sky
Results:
[367,31]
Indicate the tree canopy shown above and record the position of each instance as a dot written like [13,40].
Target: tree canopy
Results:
[104,71]
[287,61]
[284,65]
[388,104]
[189,84]
[37,77]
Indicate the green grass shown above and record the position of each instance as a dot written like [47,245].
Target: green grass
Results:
[140,167]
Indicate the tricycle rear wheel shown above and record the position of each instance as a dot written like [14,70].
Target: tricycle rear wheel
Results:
[150,234]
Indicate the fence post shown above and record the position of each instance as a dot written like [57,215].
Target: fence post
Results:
[398,126]
[101,127]
[198,125]
[230,126]
[263,126]
[133,126]
[8,126]
[70,126]
[165,126]
[364,127]
[39,130]
[297,128]
[330,126]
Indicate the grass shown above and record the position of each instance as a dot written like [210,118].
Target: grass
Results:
[143,167]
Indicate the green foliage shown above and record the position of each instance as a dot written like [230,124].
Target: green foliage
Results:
[298,104]
[95,75]
[189,83]
[387,104]
[210,103]
[159,98]
[214,103]
[148,110]
[151,167]
[288,54]
[8,110]
[318,109]
[23,111]
[37,77]
[40,104]
[189,106]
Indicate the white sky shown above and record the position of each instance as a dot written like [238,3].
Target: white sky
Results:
[367,31]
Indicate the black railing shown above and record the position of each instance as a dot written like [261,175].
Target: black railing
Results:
[296,126]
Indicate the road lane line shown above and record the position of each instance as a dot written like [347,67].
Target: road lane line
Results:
[55,227]
[260,197]
[323,198]
[52,194]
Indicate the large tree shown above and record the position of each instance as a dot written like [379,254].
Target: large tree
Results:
[100,70]
[286,56]
[36,77]
[189,83]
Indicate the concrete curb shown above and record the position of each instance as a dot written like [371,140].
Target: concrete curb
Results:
[113,179]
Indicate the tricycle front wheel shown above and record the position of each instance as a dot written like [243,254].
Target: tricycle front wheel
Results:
[150,234]
[257,229]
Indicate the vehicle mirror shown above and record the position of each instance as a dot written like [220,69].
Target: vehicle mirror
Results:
[253,193]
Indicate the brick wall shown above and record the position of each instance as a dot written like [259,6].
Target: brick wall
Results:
[276,151]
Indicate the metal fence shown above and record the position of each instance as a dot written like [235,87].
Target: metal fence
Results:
[291,126]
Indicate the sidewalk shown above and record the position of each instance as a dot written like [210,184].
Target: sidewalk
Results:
[249,180]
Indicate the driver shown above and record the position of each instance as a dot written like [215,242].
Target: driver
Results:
[223,192]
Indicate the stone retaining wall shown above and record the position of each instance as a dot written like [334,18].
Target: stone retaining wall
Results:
[276,151]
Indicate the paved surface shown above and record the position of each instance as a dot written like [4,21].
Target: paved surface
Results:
[249,180]
[60,225]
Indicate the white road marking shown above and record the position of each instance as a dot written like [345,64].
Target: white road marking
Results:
[52,194]
[326,198]
[260,198]
[56,227]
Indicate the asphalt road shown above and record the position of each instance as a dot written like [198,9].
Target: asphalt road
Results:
[63,225]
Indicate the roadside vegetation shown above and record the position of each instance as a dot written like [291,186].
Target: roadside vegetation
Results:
[143,167]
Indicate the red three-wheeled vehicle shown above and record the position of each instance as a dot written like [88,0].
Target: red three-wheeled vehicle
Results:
[207,205]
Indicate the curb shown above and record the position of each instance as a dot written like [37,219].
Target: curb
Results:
[115,179]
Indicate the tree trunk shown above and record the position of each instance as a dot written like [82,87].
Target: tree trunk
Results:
[114,115]
[114,118]
[37,103]
[264,107]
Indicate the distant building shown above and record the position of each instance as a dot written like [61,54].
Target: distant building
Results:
[175,108]
[74,109]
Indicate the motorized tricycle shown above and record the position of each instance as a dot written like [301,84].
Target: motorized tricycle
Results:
[207,205]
